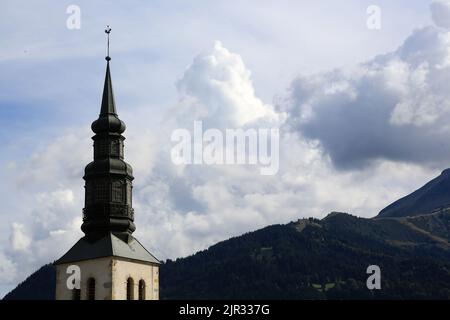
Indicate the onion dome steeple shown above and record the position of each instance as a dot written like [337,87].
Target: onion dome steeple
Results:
[108,187]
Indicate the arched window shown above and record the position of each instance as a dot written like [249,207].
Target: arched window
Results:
[91,289]
[130,289]
[76,294]
[141,289]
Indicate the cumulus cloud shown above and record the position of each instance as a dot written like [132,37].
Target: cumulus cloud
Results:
[7,269]
[217,89]
[19,239]
[394,107]
[58,160]
[56,211]
[51,229]
[47,218]
[440,13]
[180,210]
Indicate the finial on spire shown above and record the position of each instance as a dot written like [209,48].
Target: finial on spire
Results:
[108,31]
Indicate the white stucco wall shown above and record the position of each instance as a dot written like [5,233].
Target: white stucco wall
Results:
[99,269]
[110,274]
[122,269]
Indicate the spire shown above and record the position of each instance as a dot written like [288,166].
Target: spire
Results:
[108,103]
[108,121]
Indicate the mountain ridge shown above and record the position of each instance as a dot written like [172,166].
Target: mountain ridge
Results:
[433,196]
[315,259]
[307,259]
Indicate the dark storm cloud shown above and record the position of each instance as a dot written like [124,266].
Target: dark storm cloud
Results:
[394,107]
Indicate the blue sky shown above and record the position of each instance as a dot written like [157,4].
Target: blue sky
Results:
[50,89]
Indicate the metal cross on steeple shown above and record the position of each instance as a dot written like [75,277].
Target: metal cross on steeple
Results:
[108,31]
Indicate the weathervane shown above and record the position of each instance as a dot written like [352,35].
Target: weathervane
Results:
[108,31]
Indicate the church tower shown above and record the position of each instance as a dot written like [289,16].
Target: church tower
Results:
[112,264]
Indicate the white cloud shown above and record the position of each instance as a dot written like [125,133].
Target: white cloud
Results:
[440,12]
[58,198]
[56,211]
[48,191]
[7,269]
[19,240]
[217,89]
[394,107]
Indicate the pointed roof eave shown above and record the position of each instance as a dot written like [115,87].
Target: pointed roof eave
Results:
[108,103]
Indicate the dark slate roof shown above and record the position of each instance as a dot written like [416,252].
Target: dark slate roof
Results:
[110,245]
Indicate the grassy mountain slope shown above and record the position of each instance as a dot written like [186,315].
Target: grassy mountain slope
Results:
[316,259]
